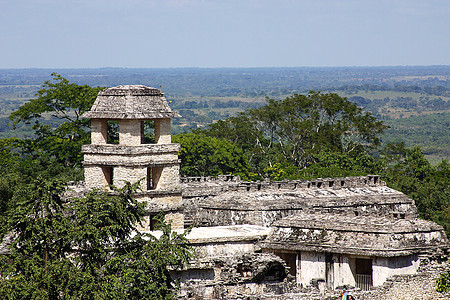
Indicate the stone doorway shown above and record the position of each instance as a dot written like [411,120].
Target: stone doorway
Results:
[363,273]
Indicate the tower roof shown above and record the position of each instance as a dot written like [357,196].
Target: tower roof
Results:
[130,102]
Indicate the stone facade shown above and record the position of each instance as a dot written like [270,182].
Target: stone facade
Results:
[155,166]
[331,233]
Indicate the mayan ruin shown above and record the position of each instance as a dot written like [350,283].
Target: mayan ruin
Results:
[235,150]
[266,239]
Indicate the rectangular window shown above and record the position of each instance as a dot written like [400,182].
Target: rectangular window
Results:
[113,132]
[150,179]
[153,222]
[148,132]
[108,174]
[363,272]
[291,261]
[153,175]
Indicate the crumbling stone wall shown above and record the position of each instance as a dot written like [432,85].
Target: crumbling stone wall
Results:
[231,277]
[419,286]
[227,200]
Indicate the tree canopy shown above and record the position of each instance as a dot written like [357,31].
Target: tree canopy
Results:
[78,248]
[86,248]
[203,155]
[293,131]
[55,116]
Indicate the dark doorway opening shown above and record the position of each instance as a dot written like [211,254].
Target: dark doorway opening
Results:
[108,175]
[291,261]
[363,272]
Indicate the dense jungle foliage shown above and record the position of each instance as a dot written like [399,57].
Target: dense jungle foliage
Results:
[302,136]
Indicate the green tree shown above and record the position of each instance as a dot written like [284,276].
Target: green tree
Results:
[294,130]
[429,186]
[202,155]
[335,164]
[55,115]
[86,248]
[17,171]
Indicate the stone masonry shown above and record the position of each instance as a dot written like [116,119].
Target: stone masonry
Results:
[155,166]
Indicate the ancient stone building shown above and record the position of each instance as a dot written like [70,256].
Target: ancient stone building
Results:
[148,157]
[256,238]
[333,232]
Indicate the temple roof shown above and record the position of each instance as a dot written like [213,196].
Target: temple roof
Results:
[305,198]
[359,235]
[130,102]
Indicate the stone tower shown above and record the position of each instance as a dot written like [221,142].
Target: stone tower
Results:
[134,109]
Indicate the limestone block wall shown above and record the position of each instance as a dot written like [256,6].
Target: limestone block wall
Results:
[130,174]
[203,213]
[169,204]
[342,270]
[147,159]
[157,201]
[169,178]
[99,131]
[176,219]
[164,178]
[218,217]
[223,249]
[162,131]
[94,177]
[130,132]
[148,155]
[313,267]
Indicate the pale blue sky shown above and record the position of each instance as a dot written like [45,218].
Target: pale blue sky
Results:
[223,33]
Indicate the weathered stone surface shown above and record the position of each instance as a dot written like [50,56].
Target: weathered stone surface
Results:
[228,202]
[135,150]
[362,235]
[157,201]
[230,276]
[130,102]
[162,131]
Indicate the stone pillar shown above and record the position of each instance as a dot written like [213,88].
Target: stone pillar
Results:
[156,175]
[169,178]
[162,131]
[99,131]
[129,132]
[130,174]
[94,177]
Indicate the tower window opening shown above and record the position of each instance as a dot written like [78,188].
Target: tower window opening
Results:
[108,175]
[153,222]
[149,179]
[113,132]
[375,179]
[148,132]
[153,175]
